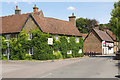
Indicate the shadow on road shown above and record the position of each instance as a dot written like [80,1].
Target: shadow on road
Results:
[117,76]
[112,57]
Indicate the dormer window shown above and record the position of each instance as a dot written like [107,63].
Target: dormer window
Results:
[8,37]
[77,39]
[29,36]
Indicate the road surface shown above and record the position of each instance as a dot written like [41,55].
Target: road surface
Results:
[87,67]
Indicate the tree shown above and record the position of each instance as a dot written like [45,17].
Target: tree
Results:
[85,25]
[91,23]
[115,19]
[81,24]
[101,27]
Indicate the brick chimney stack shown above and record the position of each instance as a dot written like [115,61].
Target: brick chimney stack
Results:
[35,9]
[72,19]
[17,11]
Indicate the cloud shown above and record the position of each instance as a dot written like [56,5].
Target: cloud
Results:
[15,2]
[8,2]
[71,8]
[29,2]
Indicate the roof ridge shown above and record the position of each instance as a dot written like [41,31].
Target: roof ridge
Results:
[53,18]
[102,35]
[15,15]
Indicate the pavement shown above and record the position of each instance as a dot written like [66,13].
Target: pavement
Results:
[86,67]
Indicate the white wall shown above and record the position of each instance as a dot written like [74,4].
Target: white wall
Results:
[107,47]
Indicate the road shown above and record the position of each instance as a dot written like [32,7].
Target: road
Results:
[87,67]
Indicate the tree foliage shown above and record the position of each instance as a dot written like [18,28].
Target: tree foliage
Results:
[101,27]
[85,25]
[115,19]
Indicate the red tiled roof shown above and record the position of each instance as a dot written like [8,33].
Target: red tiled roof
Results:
[110,33]
[84,35]
[40,13]
[103,35]
[56,26]
[13,23]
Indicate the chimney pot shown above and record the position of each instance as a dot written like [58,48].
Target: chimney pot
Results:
[72,19]
[35,5]
[72,14]
[17,11]
[16,7]
[35,9]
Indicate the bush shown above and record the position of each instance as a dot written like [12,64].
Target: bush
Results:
[63,46]
[69,56]
[18,48]
[59,55]
[80,55]
[28,57]
[42,57]
[4,57]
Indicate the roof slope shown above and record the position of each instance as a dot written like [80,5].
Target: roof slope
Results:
[110,33]
[56,26]
[103,35]
[40,13]
[84,35]
[13,23]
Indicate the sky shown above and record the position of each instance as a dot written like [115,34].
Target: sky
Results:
[61,10]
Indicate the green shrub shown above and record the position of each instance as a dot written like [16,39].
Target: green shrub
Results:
[18,48]
[69,56]
[4,57]
[28,57]
[63,46]
[41,57]
[59,55]
[51,56]
[80,55]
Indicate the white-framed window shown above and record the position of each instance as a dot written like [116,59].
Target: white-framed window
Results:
[8,37]
[69,52]
[80,51]
[30,51]
[50,41]
[68,39]
[56,37]
[29,36]
[77,39]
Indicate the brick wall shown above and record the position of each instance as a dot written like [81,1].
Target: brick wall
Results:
[92,44]
[30,25]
